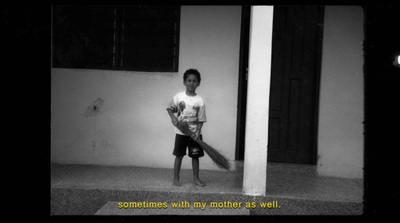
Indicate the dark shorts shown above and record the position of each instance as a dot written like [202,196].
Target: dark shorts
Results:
[182,142]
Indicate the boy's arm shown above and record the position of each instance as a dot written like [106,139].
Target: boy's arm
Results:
[196,134]
[174,120]
[201,119]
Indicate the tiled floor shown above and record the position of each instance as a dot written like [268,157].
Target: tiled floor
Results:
[296,187]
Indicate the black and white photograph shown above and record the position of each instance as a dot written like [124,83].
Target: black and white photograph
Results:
[256,110]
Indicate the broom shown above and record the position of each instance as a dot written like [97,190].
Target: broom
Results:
[217,157]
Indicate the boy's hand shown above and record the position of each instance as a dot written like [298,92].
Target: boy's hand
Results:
[196,135]
[174,121]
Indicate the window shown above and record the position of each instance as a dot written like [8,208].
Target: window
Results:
[137,38]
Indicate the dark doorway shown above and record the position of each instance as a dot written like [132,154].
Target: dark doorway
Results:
[242,88]
[295,72]
[296,60]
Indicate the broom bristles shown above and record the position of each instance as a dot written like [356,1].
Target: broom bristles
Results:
[215,156]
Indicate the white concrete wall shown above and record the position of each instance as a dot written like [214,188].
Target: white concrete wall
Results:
[132,126]
[340,135]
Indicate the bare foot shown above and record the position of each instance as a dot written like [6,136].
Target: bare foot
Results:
[200,183]
[176,183]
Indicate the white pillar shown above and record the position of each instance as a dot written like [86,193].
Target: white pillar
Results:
[259,76]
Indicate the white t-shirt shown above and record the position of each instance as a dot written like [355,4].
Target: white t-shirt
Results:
[190,109]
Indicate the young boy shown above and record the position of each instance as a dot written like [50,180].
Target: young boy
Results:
[190,108]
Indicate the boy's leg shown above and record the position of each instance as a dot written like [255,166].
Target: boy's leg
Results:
[195,151]
[179,151]
[196,169]
[177,168]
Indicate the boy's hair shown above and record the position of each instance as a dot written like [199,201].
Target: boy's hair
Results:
[192,71]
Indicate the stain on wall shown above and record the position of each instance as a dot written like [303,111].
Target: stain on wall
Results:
[94,108]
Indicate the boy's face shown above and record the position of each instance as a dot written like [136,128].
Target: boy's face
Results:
[191,82]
